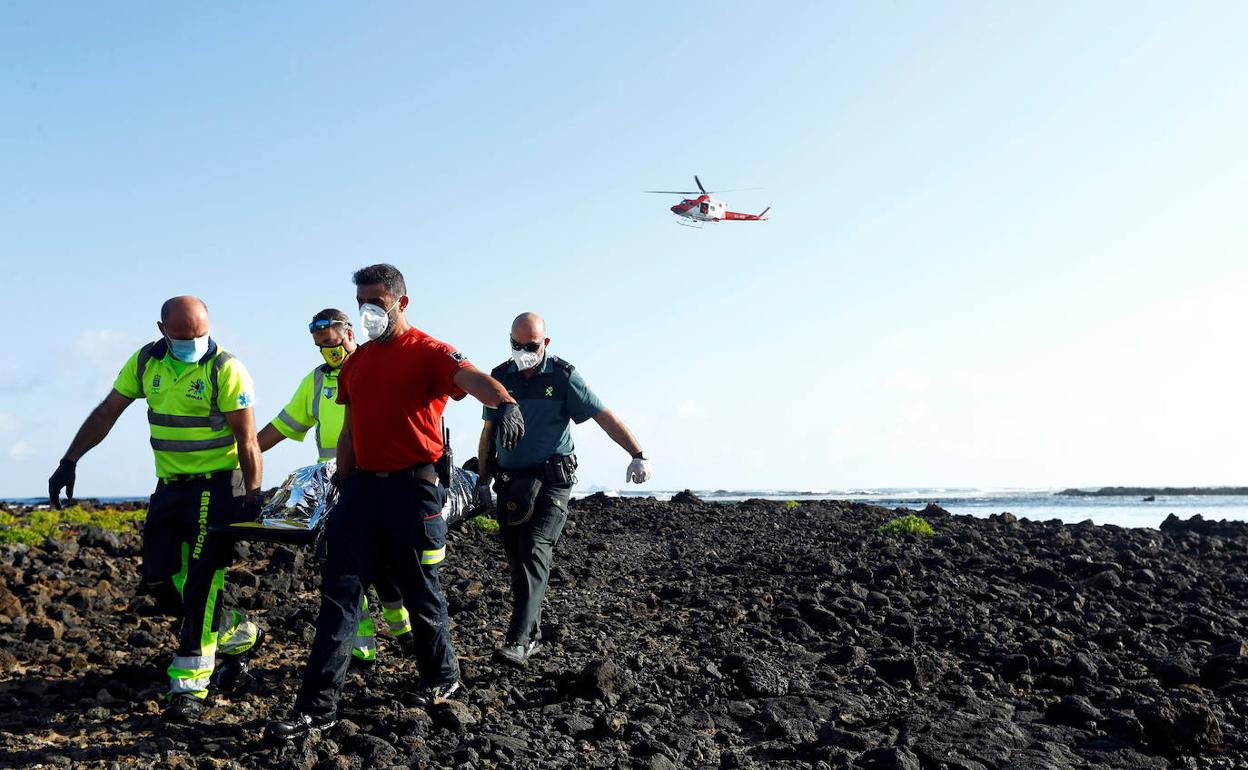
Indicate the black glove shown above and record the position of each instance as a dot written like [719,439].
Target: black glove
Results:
[484,500]
[509,424]
[249,507]
[62,478]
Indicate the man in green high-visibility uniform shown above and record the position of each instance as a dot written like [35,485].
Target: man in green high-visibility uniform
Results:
[315,405]
[203,437]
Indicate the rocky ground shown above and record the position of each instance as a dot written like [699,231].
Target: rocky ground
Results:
[687,634]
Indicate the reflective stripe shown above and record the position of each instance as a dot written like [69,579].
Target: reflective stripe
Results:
[397,618]
[197,687]
[434,556]
[399,627]
[194,663]
[318,382]
[365,642]
[215,421]
[292,423]
[190,674]
[191,445]
[235,633]
[328,453]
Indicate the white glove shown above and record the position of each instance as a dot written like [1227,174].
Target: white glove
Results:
[638,471]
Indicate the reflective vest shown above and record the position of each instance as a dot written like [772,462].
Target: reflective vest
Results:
[186,405]
[314,404]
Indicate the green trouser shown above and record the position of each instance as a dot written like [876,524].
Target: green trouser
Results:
[184,564]
[529,542]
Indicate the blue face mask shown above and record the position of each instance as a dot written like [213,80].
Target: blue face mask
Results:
[188,351]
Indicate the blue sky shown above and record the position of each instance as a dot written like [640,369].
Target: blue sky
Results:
[1007,247]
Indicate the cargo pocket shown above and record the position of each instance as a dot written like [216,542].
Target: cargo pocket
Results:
[552,515]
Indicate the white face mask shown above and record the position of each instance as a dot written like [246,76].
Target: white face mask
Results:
[374,320]
[188,351]
[526,360]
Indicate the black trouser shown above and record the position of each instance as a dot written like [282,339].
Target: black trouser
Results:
[184,565]
[530,547]
[396,521]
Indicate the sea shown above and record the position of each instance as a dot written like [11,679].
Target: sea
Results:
[1034,504]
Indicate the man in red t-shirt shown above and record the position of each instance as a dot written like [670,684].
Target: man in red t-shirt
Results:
[390,511]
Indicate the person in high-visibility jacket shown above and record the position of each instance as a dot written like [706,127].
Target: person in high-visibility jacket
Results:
[199,410]
[315,405]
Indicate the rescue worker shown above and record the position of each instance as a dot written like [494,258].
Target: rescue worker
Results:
[395,388]
[203,436]
[315,404]
[534,479]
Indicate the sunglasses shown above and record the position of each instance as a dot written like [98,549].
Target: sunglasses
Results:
[528,347]
[325,323]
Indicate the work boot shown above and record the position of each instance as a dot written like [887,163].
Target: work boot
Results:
[297,725]
[407,644]
[426,695]
[231,671]
[517,654]
[183,709]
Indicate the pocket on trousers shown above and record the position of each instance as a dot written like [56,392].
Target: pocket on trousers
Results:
[550,518]
[435,532]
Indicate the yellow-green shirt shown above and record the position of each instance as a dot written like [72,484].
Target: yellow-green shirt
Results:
[314,405]
[186,406]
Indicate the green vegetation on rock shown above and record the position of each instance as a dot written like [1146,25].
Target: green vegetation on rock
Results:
[484,523]
[791,504]
[32,528]
[907,525]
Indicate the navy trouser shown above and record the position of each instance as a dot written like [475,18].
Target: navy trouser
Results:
[530,549]
[395,521]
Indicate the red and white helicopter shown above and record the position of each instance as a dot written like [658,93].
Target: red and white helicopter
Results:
[704,208]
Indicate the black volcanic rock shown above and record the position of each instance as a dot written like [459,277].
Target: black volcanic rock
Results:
[690,635]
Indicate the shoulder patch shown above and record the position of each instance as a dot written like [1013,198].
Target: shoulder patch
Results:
[244,400]
[456,356]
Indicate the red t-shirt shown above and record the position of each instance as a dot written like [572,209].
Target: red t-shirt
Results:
[397,389]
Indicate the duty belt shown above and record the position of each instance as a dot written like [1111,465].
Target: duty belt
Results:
[424,472]
[556,469]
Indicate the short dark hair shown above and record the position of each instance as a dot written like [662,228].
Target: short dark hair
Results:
[385,274]
[332,314]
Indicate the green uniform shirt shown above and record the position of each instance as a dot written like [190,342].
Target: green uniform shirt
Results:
[549,400]
[314,404]
[186,405]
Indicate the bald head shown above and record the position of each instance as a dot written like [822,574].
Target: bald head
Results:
[528,327]
[184,318]
[528,342]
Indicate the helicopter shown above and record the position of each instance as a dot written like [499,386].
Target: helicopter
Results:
[704,208]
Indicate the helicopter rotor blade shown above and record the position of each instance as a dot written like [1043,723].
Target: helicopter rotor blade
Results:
[699,183]
[672,192]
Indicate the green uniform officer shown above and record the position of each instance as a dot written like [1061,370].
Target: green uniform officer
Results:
[534,479]
[315,406]
[199,411]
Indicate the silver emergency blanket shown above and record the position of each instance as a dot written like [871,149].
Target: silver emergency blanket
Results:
[298,509]
[299,506]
